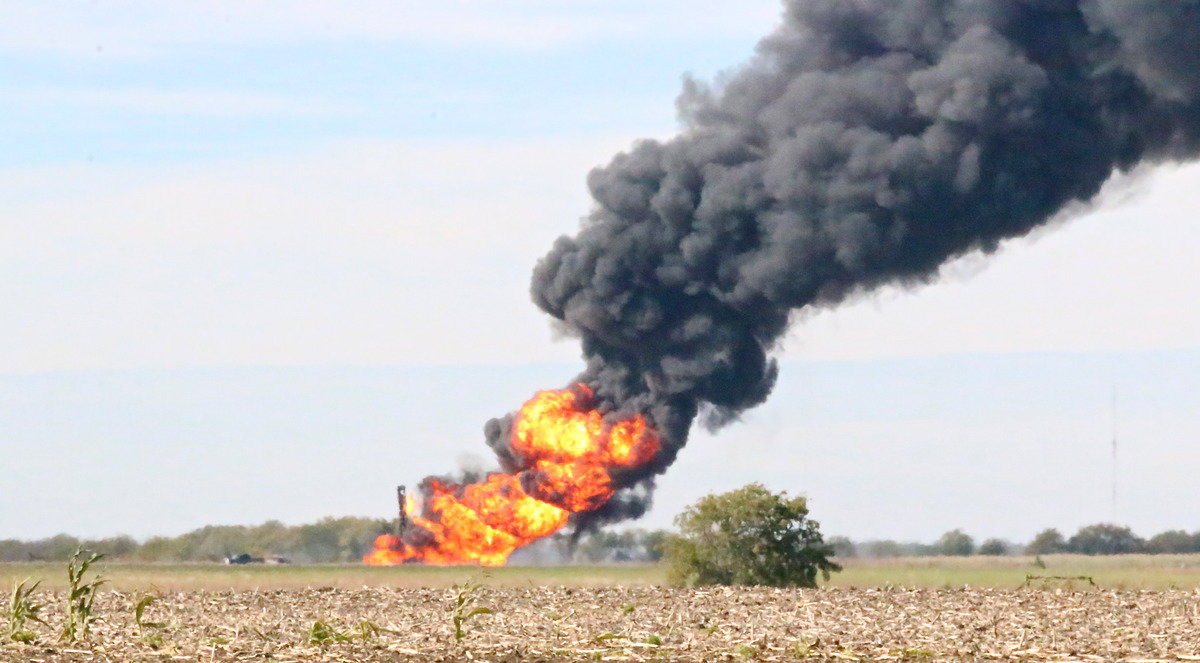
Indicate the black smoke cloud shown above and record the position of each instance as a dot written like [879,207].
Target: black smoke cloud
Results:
[867,143]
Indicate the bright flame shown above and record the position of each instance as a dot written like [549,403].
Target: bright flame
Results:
[568,453]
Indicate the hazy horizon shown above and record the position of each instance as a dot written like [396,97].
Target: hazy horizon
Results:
[907,448]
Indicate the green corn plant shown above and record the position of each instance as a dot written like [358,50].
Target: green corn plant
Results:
[466,595]
[23,609]
[324,633]
[139,613]
[151,632]
[368,631]
[81,595]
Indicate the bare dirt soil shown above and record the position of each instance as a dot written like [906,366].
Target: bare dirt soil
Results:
[636,623]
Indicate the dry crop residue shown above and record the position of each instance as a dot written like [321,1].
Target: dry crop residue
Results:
[536,624]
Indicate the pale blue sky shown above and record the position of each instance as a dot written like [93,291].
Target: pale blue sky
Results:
[264,263]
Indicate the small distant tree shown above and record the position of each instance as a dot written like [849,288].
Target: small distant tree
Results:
[1104,539]
[994,547]
[843,547]
[749,536]
[955,543]
[653,544]
[1047,542]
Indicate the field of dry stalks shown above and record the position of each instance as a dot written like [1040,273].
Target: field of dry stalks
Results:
[635,623]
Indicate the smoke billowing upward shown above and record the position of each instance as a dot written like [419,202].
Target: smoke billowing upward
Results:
[867,143]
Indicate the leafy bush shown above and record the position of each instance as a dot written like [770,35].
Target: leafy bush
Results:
[994,547]
[955,543]
[749,536]
[1047,542]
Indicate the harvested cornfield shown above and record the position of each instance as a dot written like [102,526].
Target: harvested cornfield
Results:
[644,623]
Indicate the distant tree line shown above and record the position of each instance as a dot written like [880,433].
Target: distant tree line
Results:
[596,547]
[1098,539]
[60,547]
[346,540]
[631,545]
[331,540]
[955,543]
[1106,539]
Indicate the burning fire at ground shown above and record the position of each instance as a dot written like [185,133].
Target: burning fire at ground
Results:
[569,454]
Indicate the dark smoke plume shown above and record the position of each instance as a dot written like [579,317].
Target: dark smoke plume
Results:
[867,143]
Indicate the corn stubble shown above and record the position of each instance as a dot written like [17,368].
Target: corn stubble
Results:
[539,623]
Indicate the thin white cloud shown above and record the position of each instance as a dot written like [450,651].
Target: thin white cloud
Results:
[145,26]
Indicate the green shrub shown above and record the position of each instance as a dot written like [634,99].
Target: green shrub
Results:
[955,543]
[749,536]
[1047,542]
[994,547]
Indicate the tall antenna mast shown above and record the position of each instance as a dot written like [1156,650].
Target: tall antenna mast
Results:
[1114,455]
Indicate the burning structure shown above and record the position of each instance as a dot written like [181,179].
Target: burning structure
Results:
[867,143]
[563,459]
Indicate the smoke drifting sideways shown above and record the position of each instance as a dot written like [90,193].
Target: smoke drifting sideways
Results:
[866,143]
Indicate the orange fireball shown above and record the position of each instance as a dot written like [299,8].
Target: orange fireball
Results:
[567,454]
